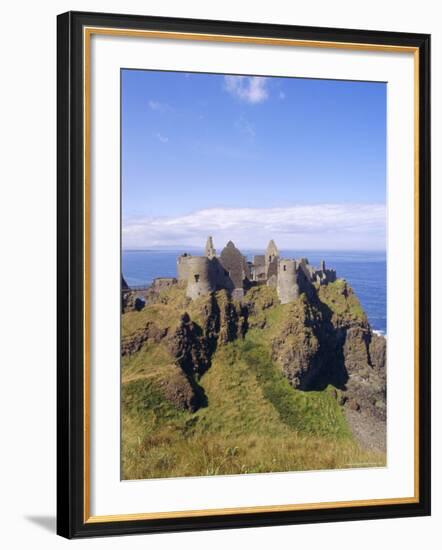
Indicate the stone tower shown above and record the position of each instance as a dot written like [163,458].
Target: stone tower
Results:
[199,276]
[210,249]
[287,286]
[271,259]
[182,266]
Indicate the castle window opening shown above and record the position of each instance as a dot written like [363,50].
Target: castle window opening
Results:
[285,268]
[197,278]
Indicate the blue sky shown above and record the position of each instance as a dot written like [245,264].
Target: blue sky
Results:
[301,161]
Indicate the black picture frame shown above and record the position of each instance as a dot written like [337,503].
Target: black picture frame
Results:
[71,497]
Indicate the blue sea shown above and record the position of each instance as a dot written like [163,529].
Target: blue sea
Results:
[365,271]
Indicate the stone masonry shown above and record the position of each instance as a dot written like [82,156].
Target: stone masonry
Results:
[231,271]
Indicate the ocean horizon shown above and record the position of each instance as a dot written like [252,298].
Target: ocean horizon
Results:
[365,271]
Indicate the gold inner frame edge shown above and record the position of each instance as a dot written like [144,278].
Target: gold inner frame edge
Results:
[87,33]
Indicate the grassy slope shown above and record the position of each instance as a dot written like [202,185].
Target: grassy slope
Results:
[341,300]
[254,422]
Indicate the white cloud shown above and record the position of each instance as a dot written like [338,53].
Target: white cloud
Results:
[158,106]
[160,137]
[252,89]
[318,226]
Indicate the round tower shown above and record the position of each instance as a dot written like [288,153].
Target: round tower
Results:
[199,277]
[287,286]
[182,266]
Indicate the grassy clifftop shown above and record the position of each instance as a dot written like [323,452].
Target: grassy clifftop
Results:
[213,386]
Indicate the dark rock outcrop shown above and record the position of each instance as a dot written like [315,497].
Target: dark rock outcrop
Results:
[127,301]
[232,321]
[320,339]
[378,351]
[366,385]
[139,303]
[296,347]
[192,344]
[150,333]
[326,340]
[188,347]
[181,391]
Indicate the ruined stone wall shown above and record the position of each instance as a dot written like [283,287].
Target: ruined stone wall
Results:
[305,283]
[323,276]
[272,268]
[163,282]
[271,259]
[272,281]
[247,268]
[306,268]
[258,272]
[220,276]
[330,275]
[233,262]
[232,272]
[210,251]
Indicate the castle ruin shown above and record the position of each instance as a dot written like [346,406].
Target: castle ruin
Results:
[233,272]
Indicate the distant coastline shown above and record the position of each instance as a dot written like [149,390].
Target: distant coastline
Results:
[181,248]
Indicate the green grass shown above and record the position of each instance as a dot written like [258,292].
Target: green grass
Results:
[254,420]
[150,361]
[314,412]
[169,305]
[340,298]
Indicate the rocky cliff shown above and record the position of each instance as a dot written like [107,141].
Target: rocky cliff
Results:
[318,341]
[217,385]
[185,333]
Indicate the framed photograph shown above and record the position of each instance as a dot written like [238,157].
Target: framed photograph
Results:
[243,274]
